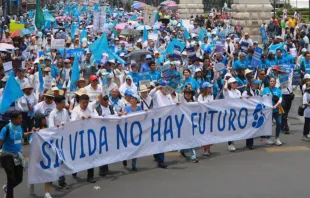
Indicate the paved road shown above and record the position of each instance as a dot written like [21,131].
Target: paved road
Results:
[266,172]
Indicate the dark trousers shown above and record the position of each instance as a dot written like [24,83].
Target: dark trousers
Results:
[104,169]
[90,173]
[27,123]
[306,126]
[292,30]
[286,104]
[160,157]
[14,174]
[249,142]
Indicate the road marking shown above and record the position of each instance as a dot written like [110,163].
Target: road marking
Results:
[287,148]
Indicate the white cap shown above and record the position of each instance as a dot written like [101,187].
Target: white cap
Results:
[227,75]
[304,50]
[198,70]
[306,76]
[278,37]
[184,53]
[232,80]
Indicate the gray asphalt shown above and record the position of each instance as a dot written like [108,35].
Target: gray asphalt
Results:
[266,172]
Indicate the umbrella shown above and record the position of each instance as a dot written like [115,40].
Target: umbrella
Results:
[166,2]
[108,25]
[3,50]
[130,32]
[157,25]
[7,46]
[89,27]
[172,5]
[26,32]
[63,17]
[121,26]
[138,5]
[136,54]
[16,33]
[141,27]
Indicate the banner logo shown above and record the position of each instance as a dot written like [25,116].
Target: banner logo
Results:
[259,116]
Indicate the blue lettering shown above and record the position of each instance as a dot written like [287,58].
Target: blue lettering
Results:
[74,149]
[232,119]
[43,166]
[245,118]
[179,124]
[121,135]
[219,121]
[92,133]
[168,128]
[59,152]
[132,135]
[82,144]
[155,132]
[193,123]
[105,141]
[202,131]
[211,119]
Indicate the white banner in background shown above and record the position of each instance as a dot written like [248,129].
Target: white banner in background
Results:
[84,144]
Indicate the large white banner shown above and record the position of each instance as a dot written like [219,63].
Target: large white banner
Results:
[84,144]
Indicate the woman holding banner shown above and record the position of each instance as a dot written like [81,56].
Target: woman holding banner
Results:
[133,107]
[206,96]
[276,114]
[189,97]
[231,91]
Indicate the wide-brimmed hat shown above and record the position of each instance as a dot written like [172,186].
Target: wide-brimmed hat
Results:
[308,86]
[49,93]
[27,86]
[231,80]
[81,91]
[143,88]
[61,92]
[247,71]
[80,80]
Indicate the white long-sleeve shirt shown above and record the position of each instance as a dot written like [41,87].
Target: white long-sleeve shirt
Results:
[56,117]
[22,103]
[77,113]
[159,99]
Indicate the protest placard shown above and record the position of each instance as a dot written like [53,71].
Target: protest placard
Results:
[58,43]
[191,54]
[257,57]
[7,66]
[15,26]
[148,17]
[244,46]
[296,77]
[293,52]
[166,71]
[219,47]
[75,52]
[219,66]
[283,78]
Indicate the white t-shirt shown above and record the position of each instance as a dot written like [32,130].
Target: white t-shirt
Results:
[44,108]
[233,93]
[92,93]
[208,98]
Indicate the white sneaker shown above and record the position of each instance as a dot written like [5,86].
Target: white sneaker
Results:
[231,148]
[269,141]
[31,189]
[278,142]
[206,153]
[47,195]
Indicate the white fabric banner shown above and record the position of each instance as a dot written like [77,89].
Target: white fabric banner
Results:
[84,144]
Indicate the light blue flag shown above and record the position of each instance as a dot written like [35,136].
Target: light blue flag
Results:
[97,47]
[172,44]
[201,34]
[181,23]
[145,35]
[96,8]
[75,73]
[40,79]
[186,34]
[278,46]
[11,93]
[83,35]
[156,16]
[134,17]
[73,29]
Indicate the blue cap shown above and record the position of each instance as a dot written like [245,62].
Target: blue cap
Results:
[128,92]
[136,96]
[47,58]
[256,82]
[148,56]
[162,83]
[207,85]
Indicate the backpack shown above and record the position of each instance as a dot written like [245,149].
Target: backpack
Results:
[99,110]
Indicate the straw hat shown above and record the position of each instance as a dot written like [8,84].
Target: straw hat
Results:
[49,93]
[81,91]
[47,69]
[61,92]
[27,86]
[143,88]
[80,80]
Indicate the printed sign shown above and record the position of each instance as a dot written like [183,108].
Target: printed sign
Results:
[148,18]
[58,43]
[283,78]
[257,57]
[244,46]
[219,66]
[7,66]
[296,78]
[293,52]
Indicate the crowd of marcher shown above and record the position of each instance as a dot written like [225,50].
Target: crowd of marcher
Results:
[134,70]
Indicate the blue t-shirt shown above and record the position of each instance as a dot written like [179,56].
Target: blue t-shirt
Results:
[240,65]
[155,75]
[129,110]
[13,142]
[275,92]
[265,64]
[192,82]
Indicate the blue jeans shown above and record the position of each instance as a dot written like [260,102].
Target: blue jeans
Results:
[278,119]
